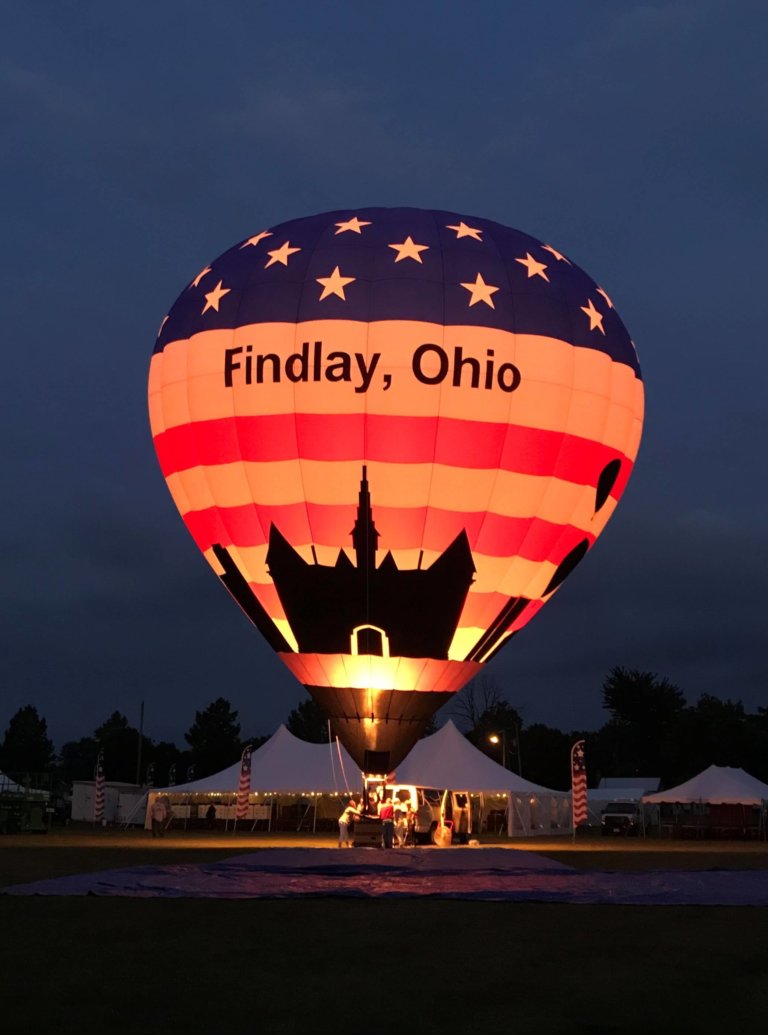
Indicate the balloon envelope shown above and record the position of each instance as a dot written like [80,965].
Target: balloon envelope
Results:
[393,433]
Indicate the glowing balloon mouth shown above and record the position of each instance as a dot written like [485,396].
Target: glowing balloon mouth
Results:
[370,672]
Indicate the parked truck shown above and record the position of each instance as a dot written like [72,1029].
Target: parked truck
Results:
[623,818]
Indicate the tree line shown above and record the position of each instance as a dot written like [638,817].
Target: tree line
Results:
[650,731]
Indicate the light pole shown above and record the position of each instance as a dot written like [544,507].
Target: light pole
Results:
[494,738]
[501,737]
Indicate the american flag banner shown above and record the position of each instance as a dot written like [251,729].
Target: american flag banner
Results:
[244,788]
[578,784]
[98,776]
[172,776]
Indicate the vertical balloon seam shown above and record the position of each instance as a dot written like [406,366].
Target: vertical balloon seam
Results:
[159,358]
[490,609]
[247,574]
[518,551]
[428,509]
[297,332]
[590,535]
[192,423]
[624,459]
[526,535]
[247,476]
[556,545]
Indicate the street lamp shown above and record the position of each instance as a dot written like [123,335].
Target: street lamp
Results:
[494,739]
[501,737]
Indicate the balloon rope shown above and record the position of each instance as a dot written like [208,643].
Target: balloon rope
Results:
[333,767]
[341,763]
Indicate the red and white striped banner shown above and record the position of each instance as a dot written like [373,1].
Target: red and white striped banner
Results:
[578,784]
[244,787]
[98,776]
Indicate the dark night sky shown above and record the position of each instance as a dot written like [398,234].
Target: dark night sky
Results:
[141,140]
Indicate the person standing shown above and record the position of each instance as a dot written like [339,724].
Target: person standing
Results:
[401,828]
[158,814]
[346,823]
[410,826]
[387,817]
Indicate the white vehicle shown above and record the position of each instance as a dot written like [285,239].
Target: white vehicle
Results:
[624,818]
[435,809]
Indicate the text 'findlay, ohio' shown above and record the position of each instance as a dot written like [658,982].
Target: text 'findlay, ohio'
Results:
[430,364]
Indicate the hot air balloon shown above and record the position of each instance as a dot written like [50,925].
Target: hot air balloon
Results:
[393,433]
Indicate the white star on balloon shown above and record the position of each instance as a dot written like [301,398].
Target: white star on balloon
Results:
[213,298]
[334,284]
[595,318]
[481,292]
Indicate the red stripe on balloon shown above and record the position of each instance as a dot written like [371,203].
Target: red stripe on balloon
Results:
[400,528]
[387,439]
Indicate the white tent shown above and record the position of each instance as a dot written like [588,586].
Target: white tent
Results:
[7,786]
[718,785]
[448,760]
[285,765]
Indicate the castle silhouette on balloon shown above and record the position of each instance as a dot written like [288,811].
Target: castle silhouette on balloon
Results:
[359,607]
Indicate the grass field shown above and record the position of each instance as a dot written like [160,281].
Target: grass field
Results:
[90,965]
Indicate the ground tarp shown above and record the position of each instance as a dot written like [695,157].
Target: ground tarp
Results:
[489,874]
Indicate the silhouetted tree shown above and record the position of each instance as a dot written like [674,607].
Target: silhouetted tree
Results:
[308,722]
[634,697]
[214,738]
[546,756]
[78,759]
[480,695]
[26,747]
[162,756]
[717,732]
[646,713]
[120,741]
